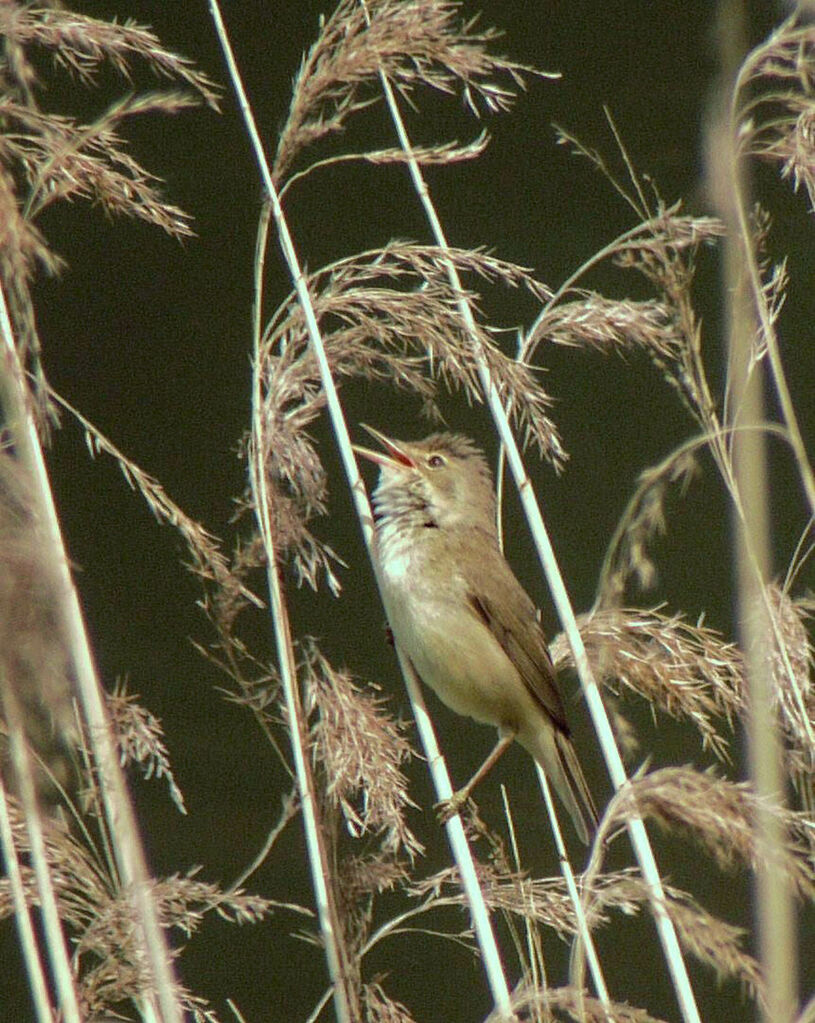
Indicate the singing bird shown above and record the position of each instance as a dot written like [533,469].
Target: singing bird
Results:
[457,611]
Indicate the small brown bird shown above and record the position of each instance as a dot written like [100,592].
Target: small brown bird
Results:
[458,612]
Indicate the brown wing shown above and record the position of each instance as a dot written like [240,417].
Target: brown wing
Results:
[503,606]
[510,616]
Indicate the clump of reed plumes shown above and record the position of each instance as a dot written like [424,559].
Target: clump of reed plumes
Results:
[416,45]
[47,158]
[687,671]
[773,100]
[720,815]
[567,1004]
[80,882]
[97,914]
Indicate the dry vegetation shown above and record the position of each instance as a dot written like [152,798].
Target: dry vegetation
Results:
[399,316]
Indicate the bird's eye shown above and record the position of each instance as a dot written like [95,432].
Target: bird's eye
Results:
[435,461]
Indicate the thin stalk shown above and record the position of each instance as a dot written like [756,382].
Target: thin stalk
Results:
[546,554]
[535,964]
[584,937]
[461,851]
[64,980]
[22,916]
[161,1005]
[744,304]
[345,999]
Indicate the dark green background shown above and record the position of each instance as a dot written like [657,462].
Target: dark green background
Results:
[150,339]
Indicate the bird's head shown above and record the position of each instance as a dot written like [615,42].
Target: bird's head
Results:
[444,478]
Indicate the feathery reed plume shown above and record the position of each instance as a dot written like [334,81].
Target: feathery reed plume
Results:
[391,315]
[663,248]
[226,594]
[379,1008]
[361,751]
[715,942]
[546,901]
[627,555]
[606,325]
[720,815]
[687,671]
[418,44]
[84,46]
[141,740]
[571,1004]
[98,912]
[208,561]
[793,693]
[772,100]
[56,157]
[543,900]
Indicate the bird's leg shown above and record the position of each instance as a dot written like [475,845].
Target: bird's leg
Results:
[448,808]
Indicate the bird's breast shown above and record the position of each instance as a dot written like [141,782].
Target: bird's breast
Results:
[452,650]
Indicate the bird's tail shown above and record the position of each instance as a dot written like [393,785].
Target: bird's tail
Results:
[573,790]
[555,753]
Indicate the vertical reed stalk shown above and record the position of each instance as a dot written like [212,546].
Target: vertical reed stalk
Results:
[639,836]
[484,932]
[121,820]
[34,966]
[746,315]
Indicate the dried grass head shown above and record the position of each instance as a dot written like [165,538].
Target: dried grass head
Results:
[414,44]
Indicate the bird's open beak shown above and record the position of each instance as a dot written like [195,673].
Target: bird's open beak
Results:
[394,457]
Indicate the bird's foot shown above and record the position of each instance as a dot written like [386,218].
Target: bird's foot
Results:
[452,807]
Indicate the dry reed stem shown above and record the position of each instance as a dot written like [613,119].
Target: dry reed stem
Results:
[546,555]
